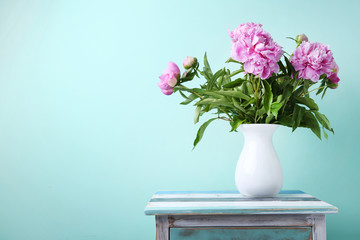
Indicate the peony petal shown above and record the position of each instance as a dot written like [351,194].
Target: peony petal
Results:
[174,68]
[167,92]
[172,82]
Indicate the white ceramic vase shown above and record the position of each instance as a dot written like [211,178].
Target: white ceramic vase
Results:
[258,171]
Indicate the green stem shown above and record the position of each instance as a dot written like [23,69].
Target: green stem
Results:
[312,91]
[225,113]
[192,91]
[257,89]
[197,69]
[236,72]
[252,84]
[225,119]
[257,97]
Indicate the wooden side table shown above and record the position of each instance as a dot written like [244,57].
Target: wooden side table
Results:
[229,215]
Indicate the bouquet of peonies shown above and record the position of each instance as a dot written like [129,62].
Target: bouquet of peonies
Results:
[265,88]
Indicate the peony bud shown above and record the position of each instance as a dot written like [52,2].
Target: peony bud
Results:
[301,38]
[333,76]
[189,62]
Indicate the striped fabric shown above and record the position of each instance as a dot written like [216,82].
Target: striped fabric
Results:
[233,202]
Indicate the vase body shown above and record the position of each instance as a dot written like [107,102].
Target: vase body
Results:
[258,171]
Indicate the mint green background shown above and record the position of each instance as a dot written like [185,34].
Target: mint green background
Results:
[86,137]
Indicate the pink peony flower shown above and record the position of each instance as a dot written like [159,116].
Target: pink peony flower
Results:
[312,60]
[169,78]
[256,49]
[333,76]
[189,62]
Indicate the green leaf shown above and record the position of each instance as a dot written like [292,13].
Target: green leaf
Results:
[279,98]
[297,116]
[232,60]
[235,123]
[291,38]
[248,102]
[207,108]
[306,87]
[274,77]
[321,88]
[196,73]
[232,93]
[212,82]
[192,90]
[322,96]
[325,134]
[226,78]
[286,120]
[267,97]
[220,81]
[207,69]
[236,72]
[309,102]
[319,91]
[211,93]
[323,120]
[235,83]
[311,122]
[290,67]
[261,112]
[282,67]
[269,118]
[237,105]
[219,73]
[189,77]
[183,95]
[299,91]
[189,99]
[214,101]
[287,91]
[197,114]
[201,131]
[245,88]
[332,85]
[275,107]
[251,115]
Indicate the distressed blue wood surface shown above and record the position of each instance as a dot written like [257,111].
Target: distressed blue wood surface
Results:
[233,202]
[220,233]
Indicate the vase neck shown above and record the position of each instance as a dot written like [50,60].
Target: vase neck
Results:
[258,132]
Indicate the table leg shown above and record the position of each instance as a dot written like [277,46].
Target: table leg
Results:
[319,229]
[162,227]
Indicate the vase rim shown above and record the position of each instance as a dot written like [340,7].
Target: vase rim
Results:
[259,126]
